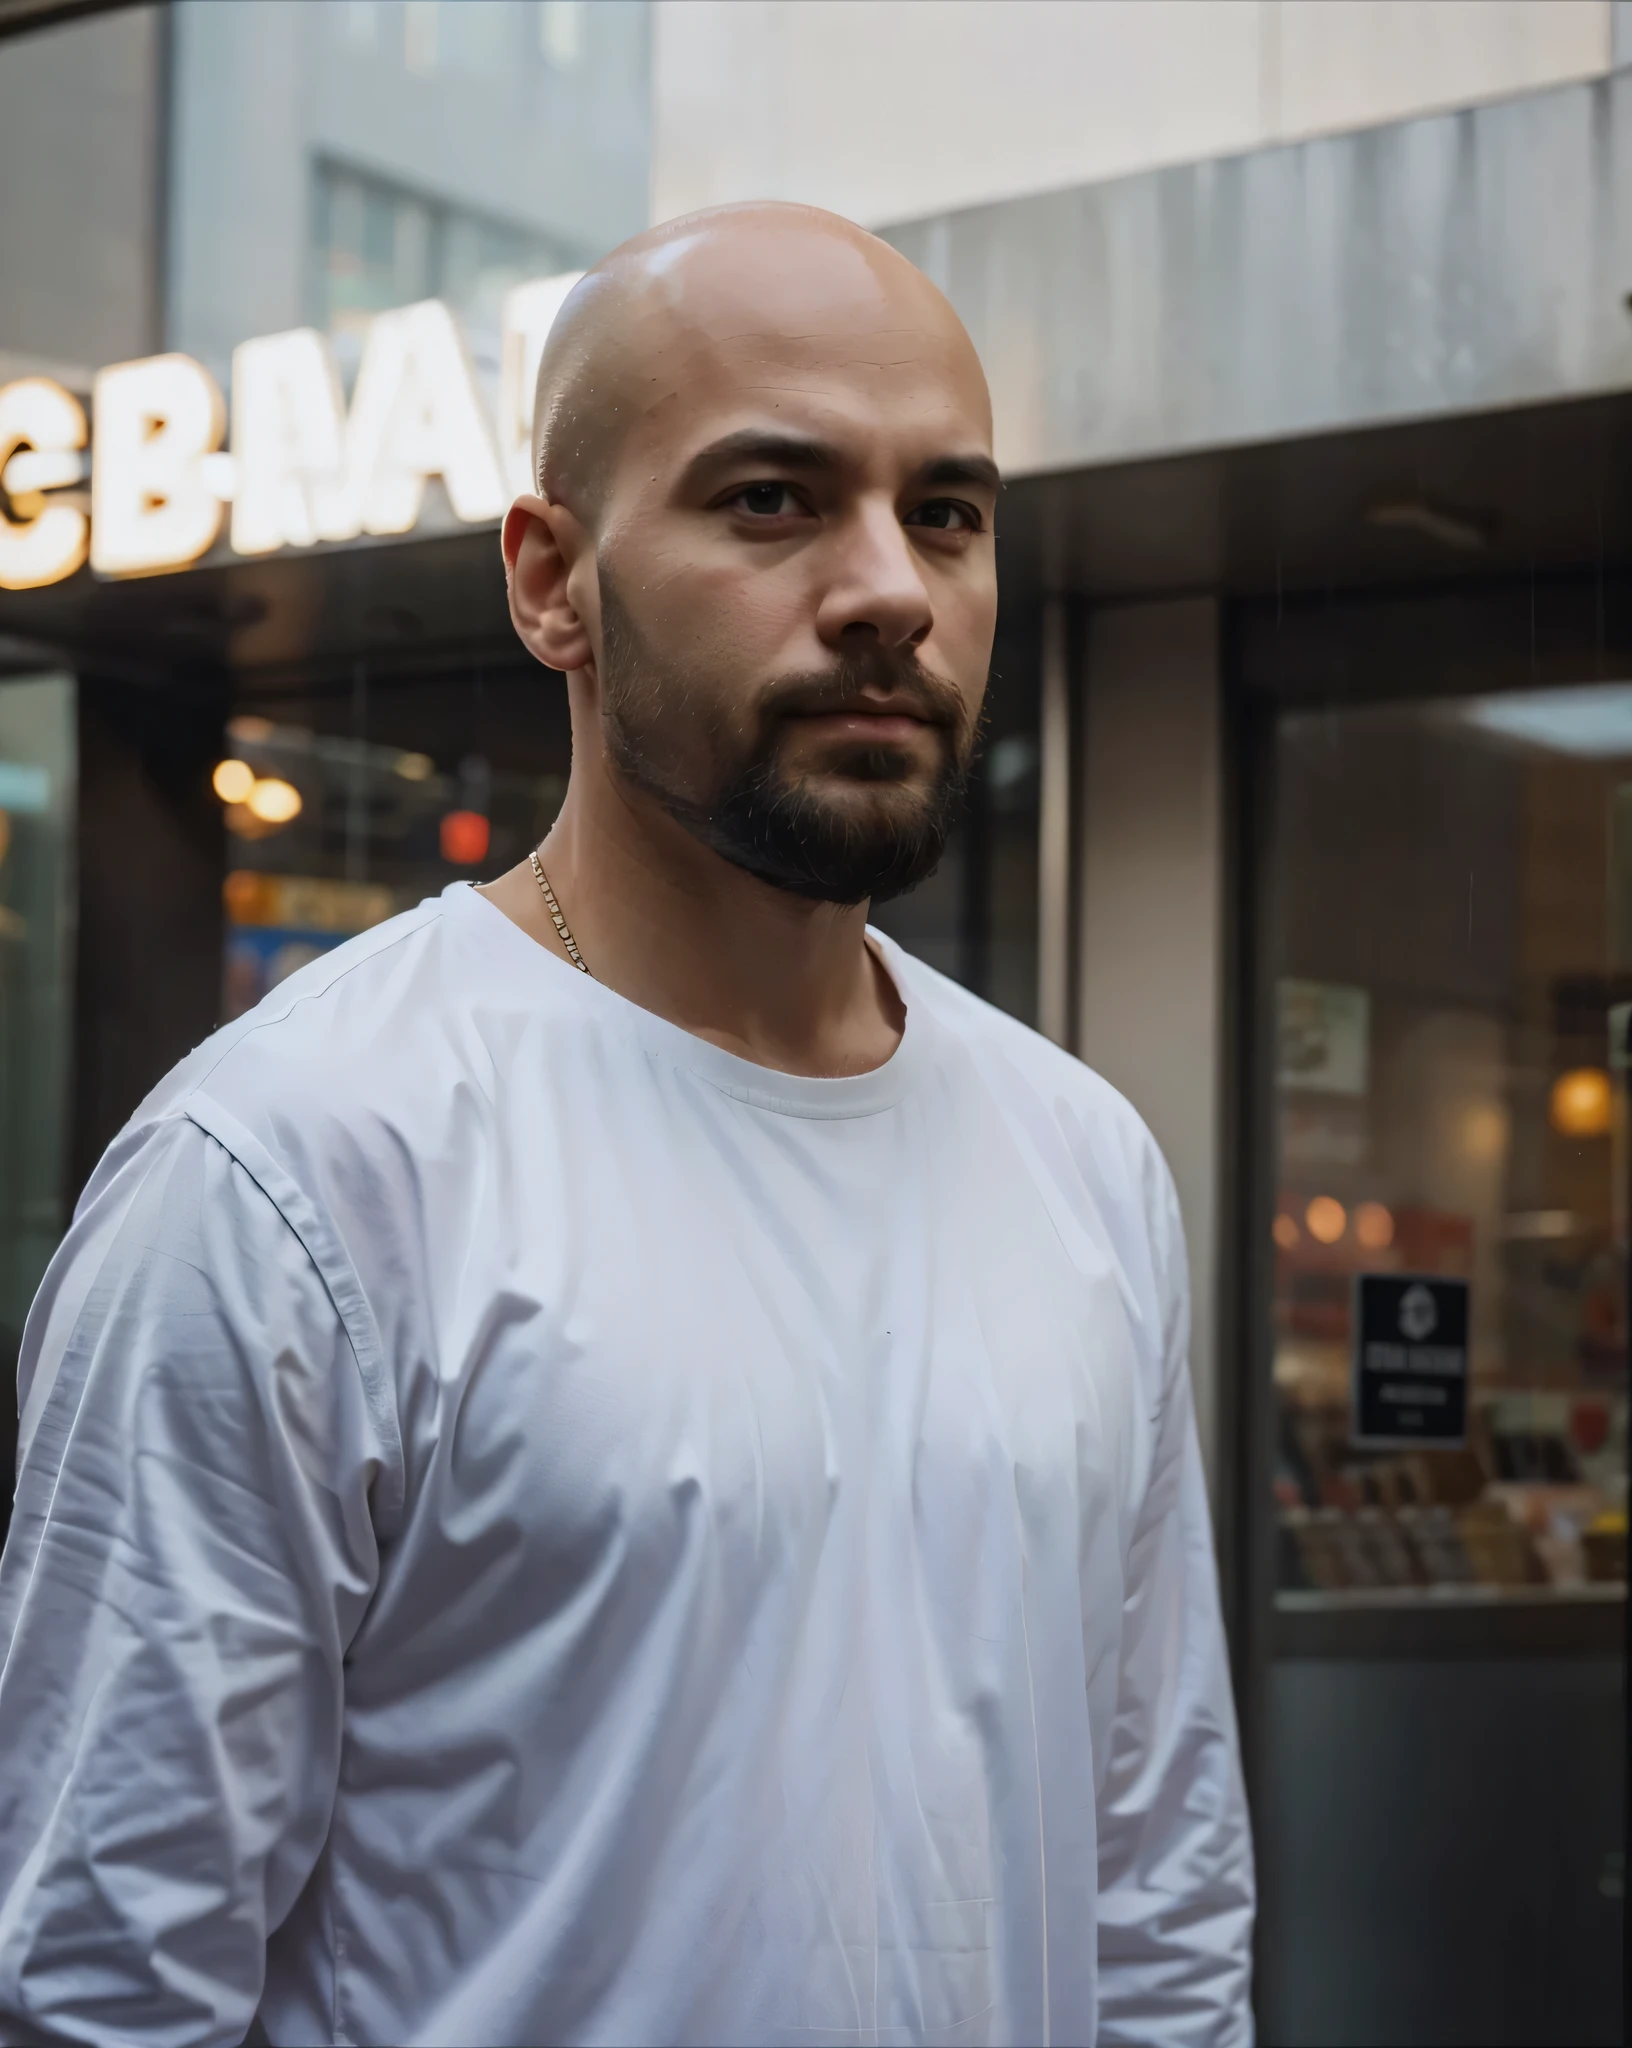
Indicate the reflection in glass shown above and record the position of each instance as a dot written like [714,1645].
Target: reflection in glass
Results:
[1452,954]
[37,791]
[331,162]
[328,836]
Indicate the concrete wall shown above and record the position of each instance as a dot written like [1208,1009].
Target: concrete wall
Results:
[890,109]
[80,140]
[1450,263]
[1151,909]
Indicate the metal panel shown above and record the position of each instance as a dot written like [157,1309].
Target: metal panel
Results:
[1437,1848]
[1456,263]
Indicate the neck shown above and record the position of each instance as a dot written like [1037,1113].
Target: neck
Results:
[671,925]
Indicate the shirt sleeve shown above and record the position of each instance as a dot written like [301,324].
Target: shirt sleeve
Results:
[190,1554]
[1175,1868]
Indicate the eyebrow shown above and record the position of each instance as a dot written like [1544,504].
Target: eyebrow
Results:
[757,444]
[962,469]
[804,452]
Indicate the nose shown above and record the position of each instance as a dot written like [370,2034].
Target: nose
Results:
[876,591]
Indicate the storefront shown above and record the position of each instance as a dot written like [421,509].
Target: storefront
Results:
[1304,813]
[1328,453]
[1434,1419]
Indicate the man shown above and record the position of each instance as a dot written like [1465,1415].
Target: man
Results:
[615,1462]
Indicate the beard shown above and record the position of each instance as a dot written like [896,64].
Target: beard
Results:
[877,830]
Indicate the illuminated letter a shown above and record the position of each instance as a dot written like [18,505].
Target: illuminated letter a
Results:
[415,414]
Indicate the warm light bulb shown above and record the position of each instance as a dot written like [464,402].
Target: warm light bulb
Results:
[1326,1219]
[1373,1226]
[415,767]
[1580,1105]
[273,800]
[232,781]
[1482,1132]
[464,836]
[1286,1231]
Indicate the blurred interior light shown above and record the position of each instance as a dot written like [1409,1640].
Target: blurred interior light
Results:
[1588,722]
[1326,1219]
[465,836]
[250,732]
[273,800]
[1482,1132]
[415,767]
[1581,1103]
[1374,1226]
[233,781]
[1286,1231]
[1453,526]
[1539,1223]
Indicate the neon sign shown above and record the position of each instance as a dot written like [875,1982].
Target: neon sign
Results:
[302,467]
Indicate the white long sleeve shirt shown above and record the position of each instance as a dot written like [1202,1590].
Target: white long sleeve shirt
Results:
[533,1529]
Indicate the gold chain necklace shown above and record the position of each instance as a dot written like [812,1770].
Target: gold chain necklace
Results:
[554,909]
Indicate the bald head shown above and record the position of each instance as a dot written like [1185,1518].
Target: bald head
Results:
[762,549]
[736,293]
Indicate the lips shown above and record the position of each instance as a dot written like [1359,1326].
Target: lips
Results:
[879,699]
[877,728]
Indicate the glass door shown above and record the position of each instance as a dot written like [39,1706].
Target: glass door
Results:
[1456,936]
[37,804]
[1445,948]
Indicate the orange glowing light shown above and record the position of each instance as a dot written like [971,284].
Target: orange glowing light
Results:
[1373,1226]
[232,781]
[273,800]
[1286,1231]
[1326,1219]
[465,836]
[1581,1103]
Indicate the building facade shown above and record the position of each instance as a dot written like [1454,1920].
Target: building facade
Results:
[1305,813]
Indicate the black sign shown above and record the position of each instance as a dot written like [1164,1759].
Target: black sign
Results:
[1410,1360]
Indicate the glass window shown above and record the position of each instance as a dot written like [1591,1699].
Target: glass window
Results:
[1453,945]
[37,791]
[331,161]
[343,808]
[376,245]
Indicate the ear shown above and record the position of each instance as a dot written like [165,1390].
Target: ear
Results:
[541,542]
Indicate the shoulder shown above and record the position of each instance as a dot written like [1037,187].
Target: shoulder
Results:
[1014,1056]
[1078,1129]
[360,1055]
[321,1031]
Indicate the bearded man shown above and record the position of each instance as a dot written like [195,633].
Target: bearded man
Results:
[615,1462]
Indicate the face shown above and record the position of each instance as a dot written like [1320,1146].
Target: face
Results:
[793,574]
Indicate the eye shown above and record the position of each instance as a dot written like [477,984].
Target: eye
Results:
[766,501]
[945,515]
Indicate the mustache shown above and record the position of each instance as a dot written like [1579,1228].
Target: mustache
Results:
[885,671]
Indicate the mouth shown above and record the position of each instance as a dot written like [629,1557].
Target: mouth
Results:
[870,726]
